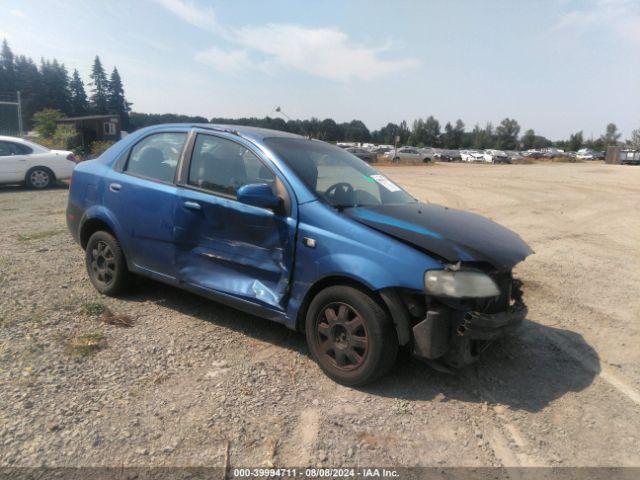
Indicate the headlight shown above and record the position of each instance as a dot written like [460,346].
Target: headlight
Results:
[459,284]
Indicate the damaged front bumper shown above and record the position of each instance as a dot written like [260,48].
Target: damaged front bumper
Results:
[457,337]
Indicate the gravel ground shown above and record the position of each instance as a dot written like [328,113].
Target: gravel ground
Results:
[192,383]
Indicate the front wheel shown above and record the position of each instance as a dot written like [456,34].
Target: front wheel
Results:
[350,336]
[105,263]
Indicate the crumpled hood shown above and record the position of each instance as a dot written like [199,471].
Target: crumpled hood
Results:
[451,234]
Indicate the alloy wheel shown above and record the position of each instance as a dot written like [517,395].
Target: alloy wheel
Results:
[342,336]
[103,263]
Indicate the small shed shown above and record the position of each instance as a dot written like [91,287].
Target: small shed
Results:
[95,127]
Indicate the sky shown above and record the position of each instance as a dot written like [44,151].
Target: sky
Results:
[555,66]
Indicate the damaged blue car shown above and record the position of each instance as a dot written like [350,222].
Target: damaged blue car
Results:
[303,233]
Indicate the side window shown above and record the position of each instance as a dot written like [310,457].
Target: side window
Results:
[20,149]
[156,156]
[223,166]
[5,149]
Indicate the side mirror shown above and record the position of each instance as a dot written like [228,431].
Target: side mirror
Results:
[259,195]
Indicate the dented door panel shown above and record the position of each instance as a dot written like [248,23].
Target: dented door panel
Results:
[230,247]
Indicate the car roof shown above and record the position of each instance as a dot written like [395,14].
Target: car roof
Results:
[6,138]
[252,133]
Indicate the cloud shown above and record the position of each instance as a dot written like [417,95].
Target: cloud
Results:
[229,61]
[18,13]
[621,17]
[201,17]
[323,52]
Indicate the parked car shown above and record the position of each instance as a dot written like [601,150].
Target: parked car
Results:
[406,153]
[533,154]
[471,156]
[514,156]
[300,232]
[37,167]
[496,156]
[586,154]
[443,156]
[428,152]
[362,154]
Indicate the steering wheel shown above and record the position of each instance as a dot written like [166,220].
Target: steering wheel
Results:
[344,189]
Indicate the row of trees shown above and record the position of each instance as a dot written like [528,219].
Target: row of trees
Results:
[49,86]
[423,132]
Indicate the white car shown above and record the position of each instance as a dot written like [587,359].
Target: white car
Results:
[37,167]
[471,156]
[496,156]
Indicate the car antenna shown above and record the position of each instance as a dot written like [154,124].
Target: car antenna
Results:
[277,109]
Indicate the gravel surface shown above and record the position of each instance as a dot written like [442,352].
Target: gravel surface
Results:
[165,378]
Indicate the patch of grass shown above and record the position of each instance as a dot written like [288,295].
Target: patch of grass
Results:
[86,344]
[25,237]
[94,308]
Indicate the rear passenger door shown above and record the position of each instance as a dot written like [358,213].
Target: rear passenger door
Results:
[222,245]
[141,193]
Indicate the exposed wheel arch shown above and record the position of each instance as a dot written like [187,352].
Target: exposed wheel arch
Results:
[388,299]
[92,226]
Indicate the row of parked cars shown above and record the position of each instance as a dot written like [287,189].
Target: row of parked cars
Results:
[414,154]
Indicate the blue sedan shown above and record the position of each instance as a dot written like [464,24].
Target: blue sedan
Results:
[303,233]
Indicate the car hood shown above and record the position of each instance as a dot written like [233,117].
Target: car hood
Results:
[451,234]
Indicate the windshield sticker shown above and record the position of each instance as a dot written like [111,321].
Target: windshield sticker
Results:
[386,183]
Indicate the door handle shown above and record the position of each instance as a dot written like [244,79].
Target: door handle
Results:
[192,205]
[115,187]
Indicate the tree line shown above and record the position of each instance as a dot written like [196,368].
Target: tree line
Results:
[49,86]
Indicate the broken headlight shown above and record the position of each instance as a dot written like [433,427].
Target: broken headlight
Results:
[459,284]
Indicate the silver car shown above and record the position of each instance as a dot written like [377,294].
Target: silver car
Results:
[406,153]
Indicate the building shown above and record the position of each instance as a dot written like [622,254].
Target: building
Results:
[94,128]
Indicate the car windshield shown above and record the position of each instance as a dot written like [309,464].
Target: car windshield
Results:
[335,175]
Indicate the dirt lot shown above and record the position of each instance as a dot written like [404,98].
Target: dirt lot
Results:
[195,383]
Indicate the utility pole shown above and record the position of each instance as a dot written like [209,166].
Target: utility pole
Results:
[19,114]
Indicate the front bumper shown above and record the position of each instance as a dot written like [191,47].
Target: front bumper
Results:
[458,337]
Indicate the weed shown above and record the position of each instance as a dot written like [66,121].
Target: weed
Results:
[94,308]
[25,237]
[86,344]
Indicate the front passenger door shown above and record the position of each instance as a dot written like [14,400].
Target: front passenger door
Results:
[226,246]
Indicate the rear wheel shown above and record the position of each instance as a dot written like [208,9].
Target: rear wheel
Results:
[106,265]
[350,335]
[39,178]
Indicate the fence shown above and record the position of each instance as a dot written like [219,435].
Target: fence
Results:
[10,114]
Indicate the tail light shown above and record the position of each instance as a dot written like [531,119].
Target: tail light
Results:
[72,158]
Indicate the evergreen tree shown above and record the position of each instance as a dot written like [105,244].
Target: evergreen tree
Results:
[99,93]
[116,102]
[30,81]
[7,70]
[79,102]
[55,86]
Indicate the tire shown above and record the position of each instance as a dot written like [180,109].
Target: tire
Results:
[39,178]
[357,342]
[426,160]
[106,265]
